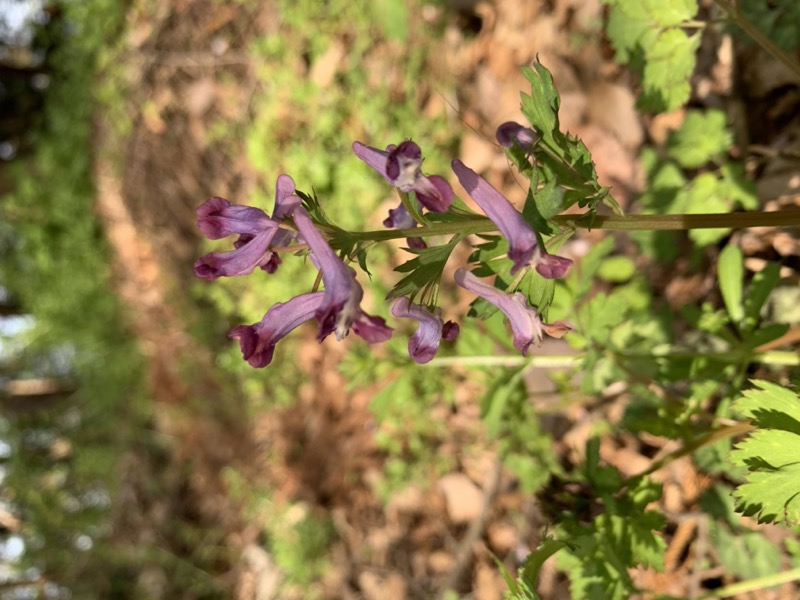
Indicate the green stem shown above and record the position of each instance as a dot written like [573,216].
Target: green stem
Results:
[544,362]
[479,224]
[758,36]
[741,220]
[751,585]
[565,361]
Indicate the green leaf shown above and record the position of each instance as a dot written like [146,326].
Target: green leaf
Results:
[770,401]
[748,554]
[495,401]
[541,107]
[513,588]
[563,159]
[627,32]
[763,283]
[424,272]
[543,204]
[393,18]
[772,455]
[737,187]
[730,273]
[669,13]
[617,269]
[702,137]
[669,64]
[766,334]
[534,561]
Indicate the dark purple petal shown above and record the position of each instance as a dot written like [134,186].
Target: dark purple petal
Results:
[434,193]
[341,309]
[416,243]
[450,331]
[403,165]
[252,253]
[423,345]
[510,133]
[526,325]
[258,341]
[217,218]
[523,247]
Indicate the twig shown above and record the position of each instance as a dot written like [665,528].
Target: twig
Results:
[758,37]
[190,59]
[464,551]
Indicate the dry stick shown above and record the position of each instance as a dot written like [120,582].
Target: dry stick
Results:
[688,448]
[464,551]
[758,37]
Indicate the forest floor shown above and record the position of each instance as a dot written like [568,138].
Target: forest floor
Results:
[190,64]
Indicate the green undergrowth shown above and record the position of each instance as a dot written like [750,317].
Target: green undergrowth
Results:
[55,261]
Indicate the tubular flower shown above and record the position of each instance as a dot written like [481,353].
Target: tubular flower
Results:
[510,133]
[423,345]
[218,218]
[526,325]
[258,341]
[523,247]
[340,309]
[401,166]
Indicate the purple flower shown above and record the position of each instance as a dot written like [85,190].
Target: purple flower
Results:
[510,133]
[423,345]
[341,308]
[217,218]
[526,325]
[258,341]
[399,218]
[401,166]
[523,247]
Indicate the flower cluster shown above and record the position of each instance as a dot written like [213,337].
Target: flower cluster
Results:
[337,309]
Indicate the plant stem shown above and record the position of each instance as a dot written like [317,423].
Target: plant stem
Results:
[758,36]
[759,583]
[694,445]
[565,361]
[545,362]
[479,224]
[741,220]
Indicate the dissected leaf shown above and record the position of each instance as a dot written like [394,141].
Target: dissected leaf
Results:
[772,455]
[763,283]
[748,554]
[703,136]
[562,158]
[669,63]
[771,400]
[424,271]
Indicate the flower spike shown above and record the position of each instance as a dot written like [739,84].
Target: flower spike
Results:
[526,325]
[523,247]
